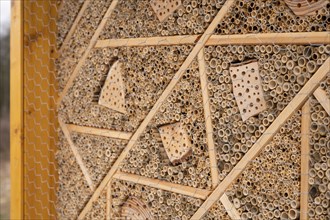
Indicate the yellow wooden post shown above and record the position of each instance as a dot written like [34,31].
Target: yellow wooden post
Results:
[16,111]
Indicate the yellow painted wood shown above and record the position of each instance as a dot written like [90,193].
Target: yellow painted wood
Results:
[40,173]
[16,111]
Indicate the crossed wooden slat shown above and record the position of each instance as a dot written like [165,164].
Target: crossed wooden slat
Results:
[199,41]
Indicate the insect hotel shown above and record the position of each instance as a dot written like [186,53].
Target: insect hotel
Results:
[170,109]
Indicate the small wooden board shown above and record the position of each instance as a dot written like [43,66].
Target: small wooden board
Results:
[113,92]
[164,8]
[135,209]
[247,88]
[305,7]
[176,142]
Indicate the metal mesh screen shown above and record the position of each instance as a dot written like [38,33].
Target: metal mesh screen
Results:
[40,92]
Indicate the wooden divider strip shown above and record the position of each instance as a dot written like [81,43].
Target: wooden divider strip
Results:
[208,120]
[164,185]
[214,40]
[305,150]
[99,132]
[323,99]
[76,154]
[230,208]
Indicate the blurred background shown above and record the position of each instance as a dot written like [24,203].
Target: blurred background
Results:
[4,108]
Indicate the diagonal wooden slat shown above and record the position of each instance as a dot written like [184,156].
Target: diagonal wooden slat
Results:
[208,121]
[74,25]
[79,160]
[323,99]
[164,185]
[109,202]
[99,132]
[231,210]
[199,45]
[294,105]
[87,51]
[305,151]
[241,39]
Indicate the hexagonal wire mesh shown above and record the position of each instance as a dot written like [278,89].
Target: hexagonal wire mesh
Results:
[82,172]
[40,92]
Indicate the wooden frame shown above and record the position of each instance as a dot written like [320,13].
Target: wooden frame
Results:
[33,121]
[20,112]
[16,111]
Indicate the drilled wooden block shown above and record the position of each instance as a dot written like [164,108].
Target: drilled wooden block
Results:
[113,92]
[305,7]
[176,142]
[247,88]
[135,209]
[164,8]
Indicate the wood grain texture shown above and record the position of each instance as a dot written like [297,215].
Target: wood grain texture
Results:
[323,99]
[305,151]
[199,45]
[109,202]
[164,185]
[271,38]
[241,39]
[176,142]
[254,151]
[247,88]
[148,41]
[74,25]
[305,7]
[76,154]
[113,91]
[208,120]
[87,51]
[99,132]
[135,208]
[16,111]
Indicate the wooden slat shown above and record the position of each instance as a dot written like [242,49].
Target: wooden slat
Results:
[305,150]
[16,111]
[295,104]
[148,41]
[74,25]
[271,38]
[230,208]
[323,99]
[87,51]
[160,184]
[76,154]
[109,202]
[199,45]
[99,132]
[208,120]
[241,39]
